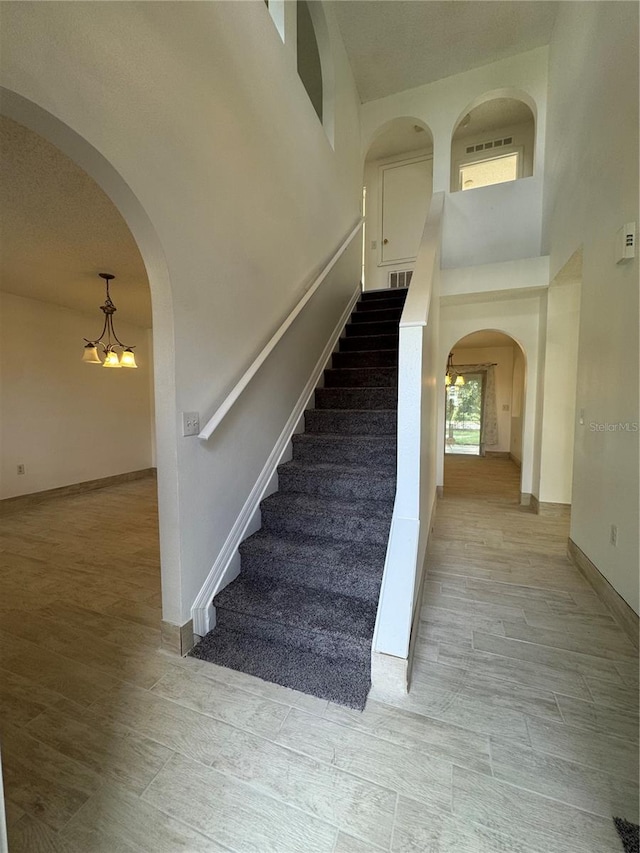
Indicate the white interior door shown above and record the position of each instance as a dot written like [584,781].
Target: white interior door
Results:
[406,193]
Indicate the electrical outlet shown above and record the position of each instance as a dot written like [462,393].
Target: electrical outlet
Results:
[613,535]
[20,469]
[190,423]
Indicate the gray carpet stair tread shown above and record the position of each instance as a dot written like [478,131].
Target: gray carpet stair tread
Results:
[364,471]
[363,343]
[344,449]
[314,506]
[299,607]
[366,358]
[380,422]
[315,549]
[344,682]
[361,377]
[347,568]
[356,399]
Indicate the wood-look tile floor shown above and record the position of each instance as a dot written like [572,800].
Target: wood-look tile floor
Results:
[519,735]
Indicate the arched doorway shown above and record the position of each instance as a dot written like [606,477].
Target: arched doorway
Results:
[397,188]
[83,155]
[483,407]
[493,142]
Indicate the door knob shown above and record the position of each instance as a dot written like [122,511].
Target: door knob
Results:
[385,241]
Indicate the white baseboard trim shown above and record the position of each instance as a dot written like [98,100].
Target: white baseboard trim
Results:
[227,565]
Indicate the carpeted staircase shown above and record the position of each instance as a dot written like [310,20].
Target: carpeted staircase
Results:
[302,611]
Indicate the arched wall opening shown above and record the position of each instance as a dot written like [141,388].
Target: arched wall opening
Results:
[314,59]
[493,142]
[29,115]
[397,189]
[497,417]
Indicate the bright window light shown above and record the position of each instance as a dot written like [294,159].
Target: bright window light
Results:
[483,173]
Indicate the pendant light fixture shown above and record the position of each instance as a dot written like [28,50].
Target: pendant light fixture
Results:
[108,339]
[452,377]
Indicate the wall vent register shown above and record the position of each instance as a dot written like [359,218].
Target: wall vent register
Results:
[484,146]
[400,278]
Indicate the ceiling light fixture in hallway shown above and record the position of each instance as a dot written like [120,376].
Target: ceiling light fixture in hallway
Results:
[453,378]
[90,355]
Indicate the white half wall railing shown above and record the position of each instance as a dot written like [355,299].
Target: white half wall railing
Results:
[216,419]
[416,463]
[268,411]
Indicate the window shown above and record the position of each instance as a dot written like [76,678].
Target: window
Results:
[492,170]
[309,68]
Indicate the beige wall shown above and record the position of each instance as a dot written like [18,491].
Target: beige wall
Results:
[64,420]
[591,191]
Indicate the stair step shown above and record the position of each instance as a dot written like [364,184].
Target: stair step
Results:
[387,327]
[345,449]
[372,358]
[351,421]
[376,315]
[362,343]
[361,377]
[395,293]
[356,398]
[353,521]
[346,568]
[345,482]
[337,680]
[364,306]
[314,620]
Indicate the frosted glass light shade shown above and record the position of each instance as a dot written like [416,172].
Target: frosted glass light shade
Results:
[459,380]
[90,355]
[128,359]
[111,359]
[447,379]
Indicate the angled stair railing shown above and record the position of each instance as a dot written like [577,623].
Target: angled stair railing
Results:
[416,462]
[216,419]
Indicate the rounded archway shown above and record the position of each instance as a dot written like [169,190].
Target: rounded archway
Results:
[397,188]
[484,403]
[493,142]
[84,155]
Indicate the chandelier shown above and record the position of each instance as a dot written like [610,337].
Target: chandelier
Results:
[108,339]
[452,377]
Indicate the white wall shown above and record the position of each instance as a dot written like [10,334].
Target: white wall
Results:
[64,420]
[591,190]
[207,142]
[502,357]
[517,315]
[559,400]
[489,224]
[376,274]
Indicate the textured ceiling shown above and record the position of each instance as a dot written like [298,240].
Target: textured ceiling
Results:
[485,339]
[398,44]
[59,230]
